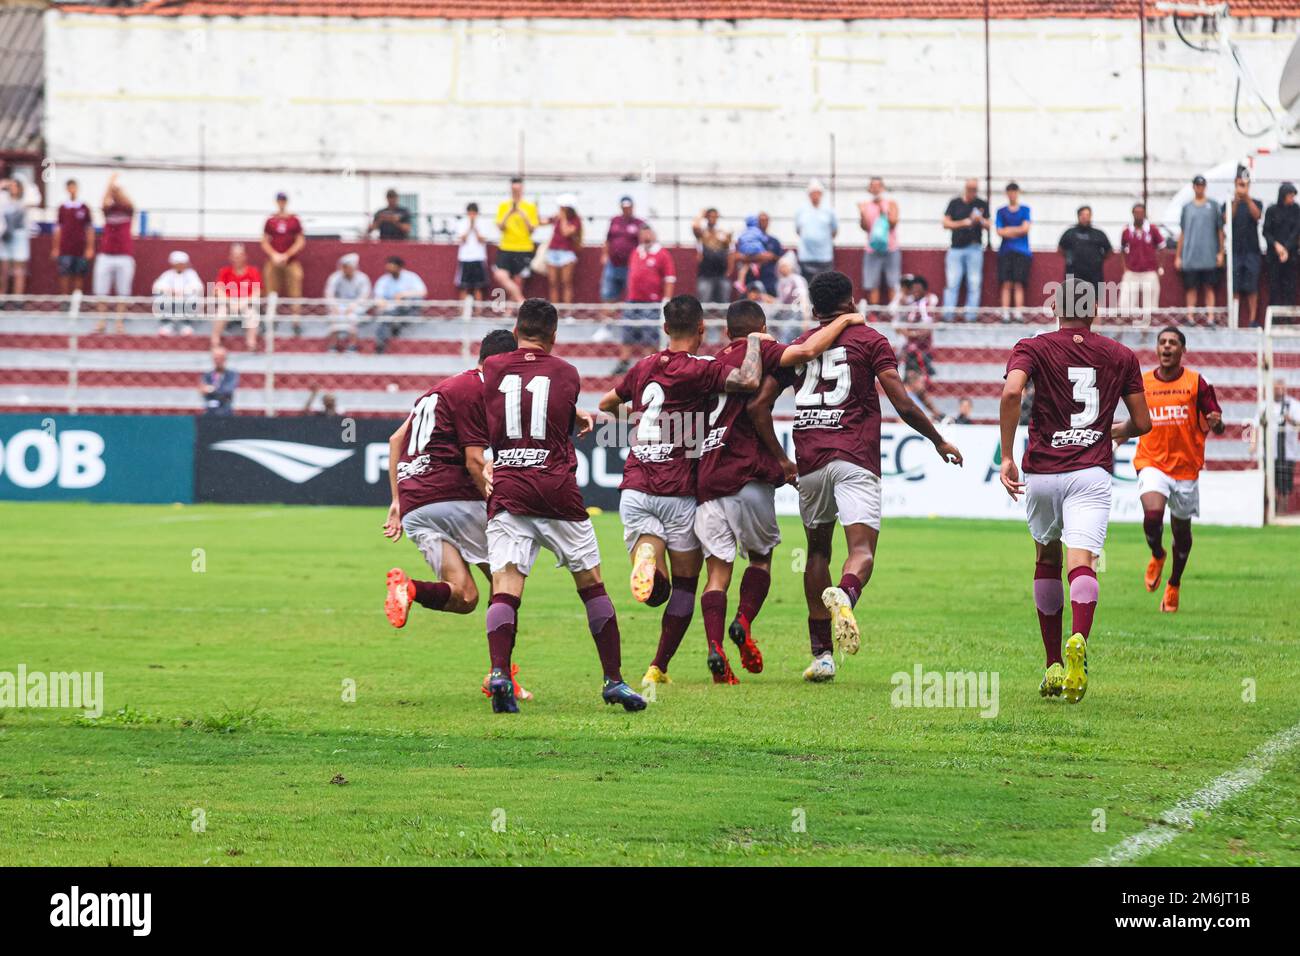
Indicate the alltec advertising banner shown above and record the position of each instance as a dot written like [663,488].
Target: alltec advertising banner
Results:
[126,458]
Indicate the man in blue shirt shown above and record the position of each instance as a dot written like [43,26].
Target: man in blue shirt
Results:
[396,286]
[218,386]
[1014,256]
[816,226]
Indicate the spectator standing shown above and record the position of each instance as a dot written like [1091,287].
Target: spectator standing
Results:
[1085,249]
[15,238]
[393,222]
[1282,241]
[329,407]
[621,239]
[1139,289]
[1199,255]
[1014,255]
[114,271]
[757,252]
[73,244]
[713,251]
[471,256]
[238,292]
[562,253]
[1245,213]
[966,217]
[816,226]
[177,294]
[282,242]
[651,277]
[792,293]
[882,259]
[395,292]
[516,219]
[217,387]
[348,290]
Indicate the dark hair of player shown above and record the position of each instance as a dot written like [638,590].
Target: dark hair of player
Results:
[682,315]
[1173,330]
[496,342]
[537,320]
[743,317]
[831,294]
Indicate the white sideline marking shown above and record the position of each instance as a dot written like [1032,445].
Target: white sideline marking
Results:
[1180,818]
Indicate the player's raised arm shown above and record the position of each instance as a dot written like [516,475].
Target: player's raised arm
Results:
[907,410]
[393,523]
[1139,419]
[759,410]
[819,341]
[1008,419]
[748,375]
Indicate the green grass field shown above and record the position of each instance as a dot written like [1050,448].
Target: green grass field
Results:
[224,694]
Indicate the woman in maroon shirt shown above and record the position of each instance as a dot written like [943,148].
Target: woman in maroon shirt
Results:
[562,254]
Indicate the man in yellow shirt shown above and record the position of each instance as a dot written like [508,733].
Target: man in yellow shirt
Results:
[516,218]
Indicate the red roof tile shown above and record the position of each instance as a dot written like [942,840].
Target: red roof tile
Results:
[672,9]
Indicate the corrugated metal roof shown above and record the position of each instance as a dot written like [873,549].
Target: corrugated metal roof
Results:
[22,76]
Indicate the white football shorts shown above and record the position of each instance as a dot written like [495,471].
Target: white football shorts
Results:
[840,490]
[743,523]
[1184,495]
[461,524]
[516,539]
[1072,507]
[671,519]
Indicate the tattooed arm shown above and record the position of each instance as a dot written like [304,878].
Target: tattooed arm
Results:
[747,377]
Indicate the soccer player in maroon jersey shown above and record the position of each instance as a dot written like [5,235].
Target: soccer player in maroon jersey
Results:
[437,472]
[531,399]
[837,447]
[736,480]
[667,392]
[1079,377]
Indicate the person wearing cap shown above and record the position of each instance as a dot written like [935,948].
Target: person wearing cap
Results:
[562,251]
[1281,245]
[882,259]
[393,222]
[1012,222]
[816,227]
[1199,255]
[176,295]
[348,291]
[1139,288]
[1244,213]
[238,291]
[282,243]
[622,237]
[516,219]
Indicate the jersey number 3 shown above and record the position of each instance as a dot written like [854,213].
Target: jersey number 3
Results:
[1084,380]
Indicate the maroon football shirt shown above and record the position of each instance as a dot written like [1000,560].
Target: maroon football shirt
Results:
[1079,377]
[731,455]
[669,390]
[446,420]
[837,411]
[531,398]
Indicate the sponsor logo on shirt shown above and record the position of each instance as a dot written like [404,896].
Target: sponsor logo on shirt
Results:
[713,440]
[651,454]
[1077,437]
[416,466]
[521,458]
[1169,414]
[818,418]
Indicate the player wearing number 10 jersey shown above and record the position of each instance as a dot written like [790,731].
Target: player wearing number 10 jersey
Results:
[531,398]
[1079,377]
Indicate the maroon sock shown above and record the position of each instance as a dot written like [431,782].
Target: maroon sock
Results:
[1083,599]
[754,584]
[432,594]
[603,624]
[851,585]
[819,635]
[713,608]
[661,590]
[1182,549]
[676,620]
[501,621]
[1049,599]
[1153,526]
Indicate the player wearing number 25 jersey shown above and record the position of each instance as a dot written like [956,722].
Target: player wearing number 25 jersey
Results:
[531,398]
[1079,377]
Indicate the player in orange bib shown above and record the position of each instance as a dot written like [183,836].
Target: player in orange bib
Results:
[1170,457]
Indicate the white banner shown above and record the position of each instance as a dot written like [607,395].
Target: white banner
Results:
[916,484]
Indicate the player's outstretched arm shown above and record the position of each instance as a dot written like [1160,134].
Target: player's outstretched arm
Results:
[610,403]
[1139,419]
[917,419]
[393,523]
[759,409]
[479,470]
[819,341]
[749,374]
[1008,419]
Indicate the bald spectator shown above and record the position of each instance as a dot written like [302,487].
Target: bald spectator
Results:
[217,387]
[966,217]
[238,292]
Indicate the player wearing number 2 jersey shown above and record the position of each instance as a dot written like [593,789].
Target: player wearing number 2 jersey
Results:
[1079,377]
[666,392]
[837,447]
[531,398]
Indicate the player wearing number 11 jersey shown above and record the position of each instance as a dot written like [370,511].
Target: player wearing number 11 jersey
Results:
[1079,377]
[531,398]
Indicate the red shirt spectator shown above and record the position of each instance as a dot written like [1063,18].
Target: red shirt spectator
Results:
[243,284]
[649,269]
[624,235]
[74,217]
[282,230]
[1139,245]
[115,240]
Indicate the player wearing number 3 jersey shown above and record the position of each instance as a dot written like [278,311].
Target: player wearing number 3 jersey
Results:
[531,398]
[1079,377]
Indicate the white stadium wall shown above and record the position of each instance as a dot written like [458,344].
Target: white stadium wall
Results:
[646,100]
